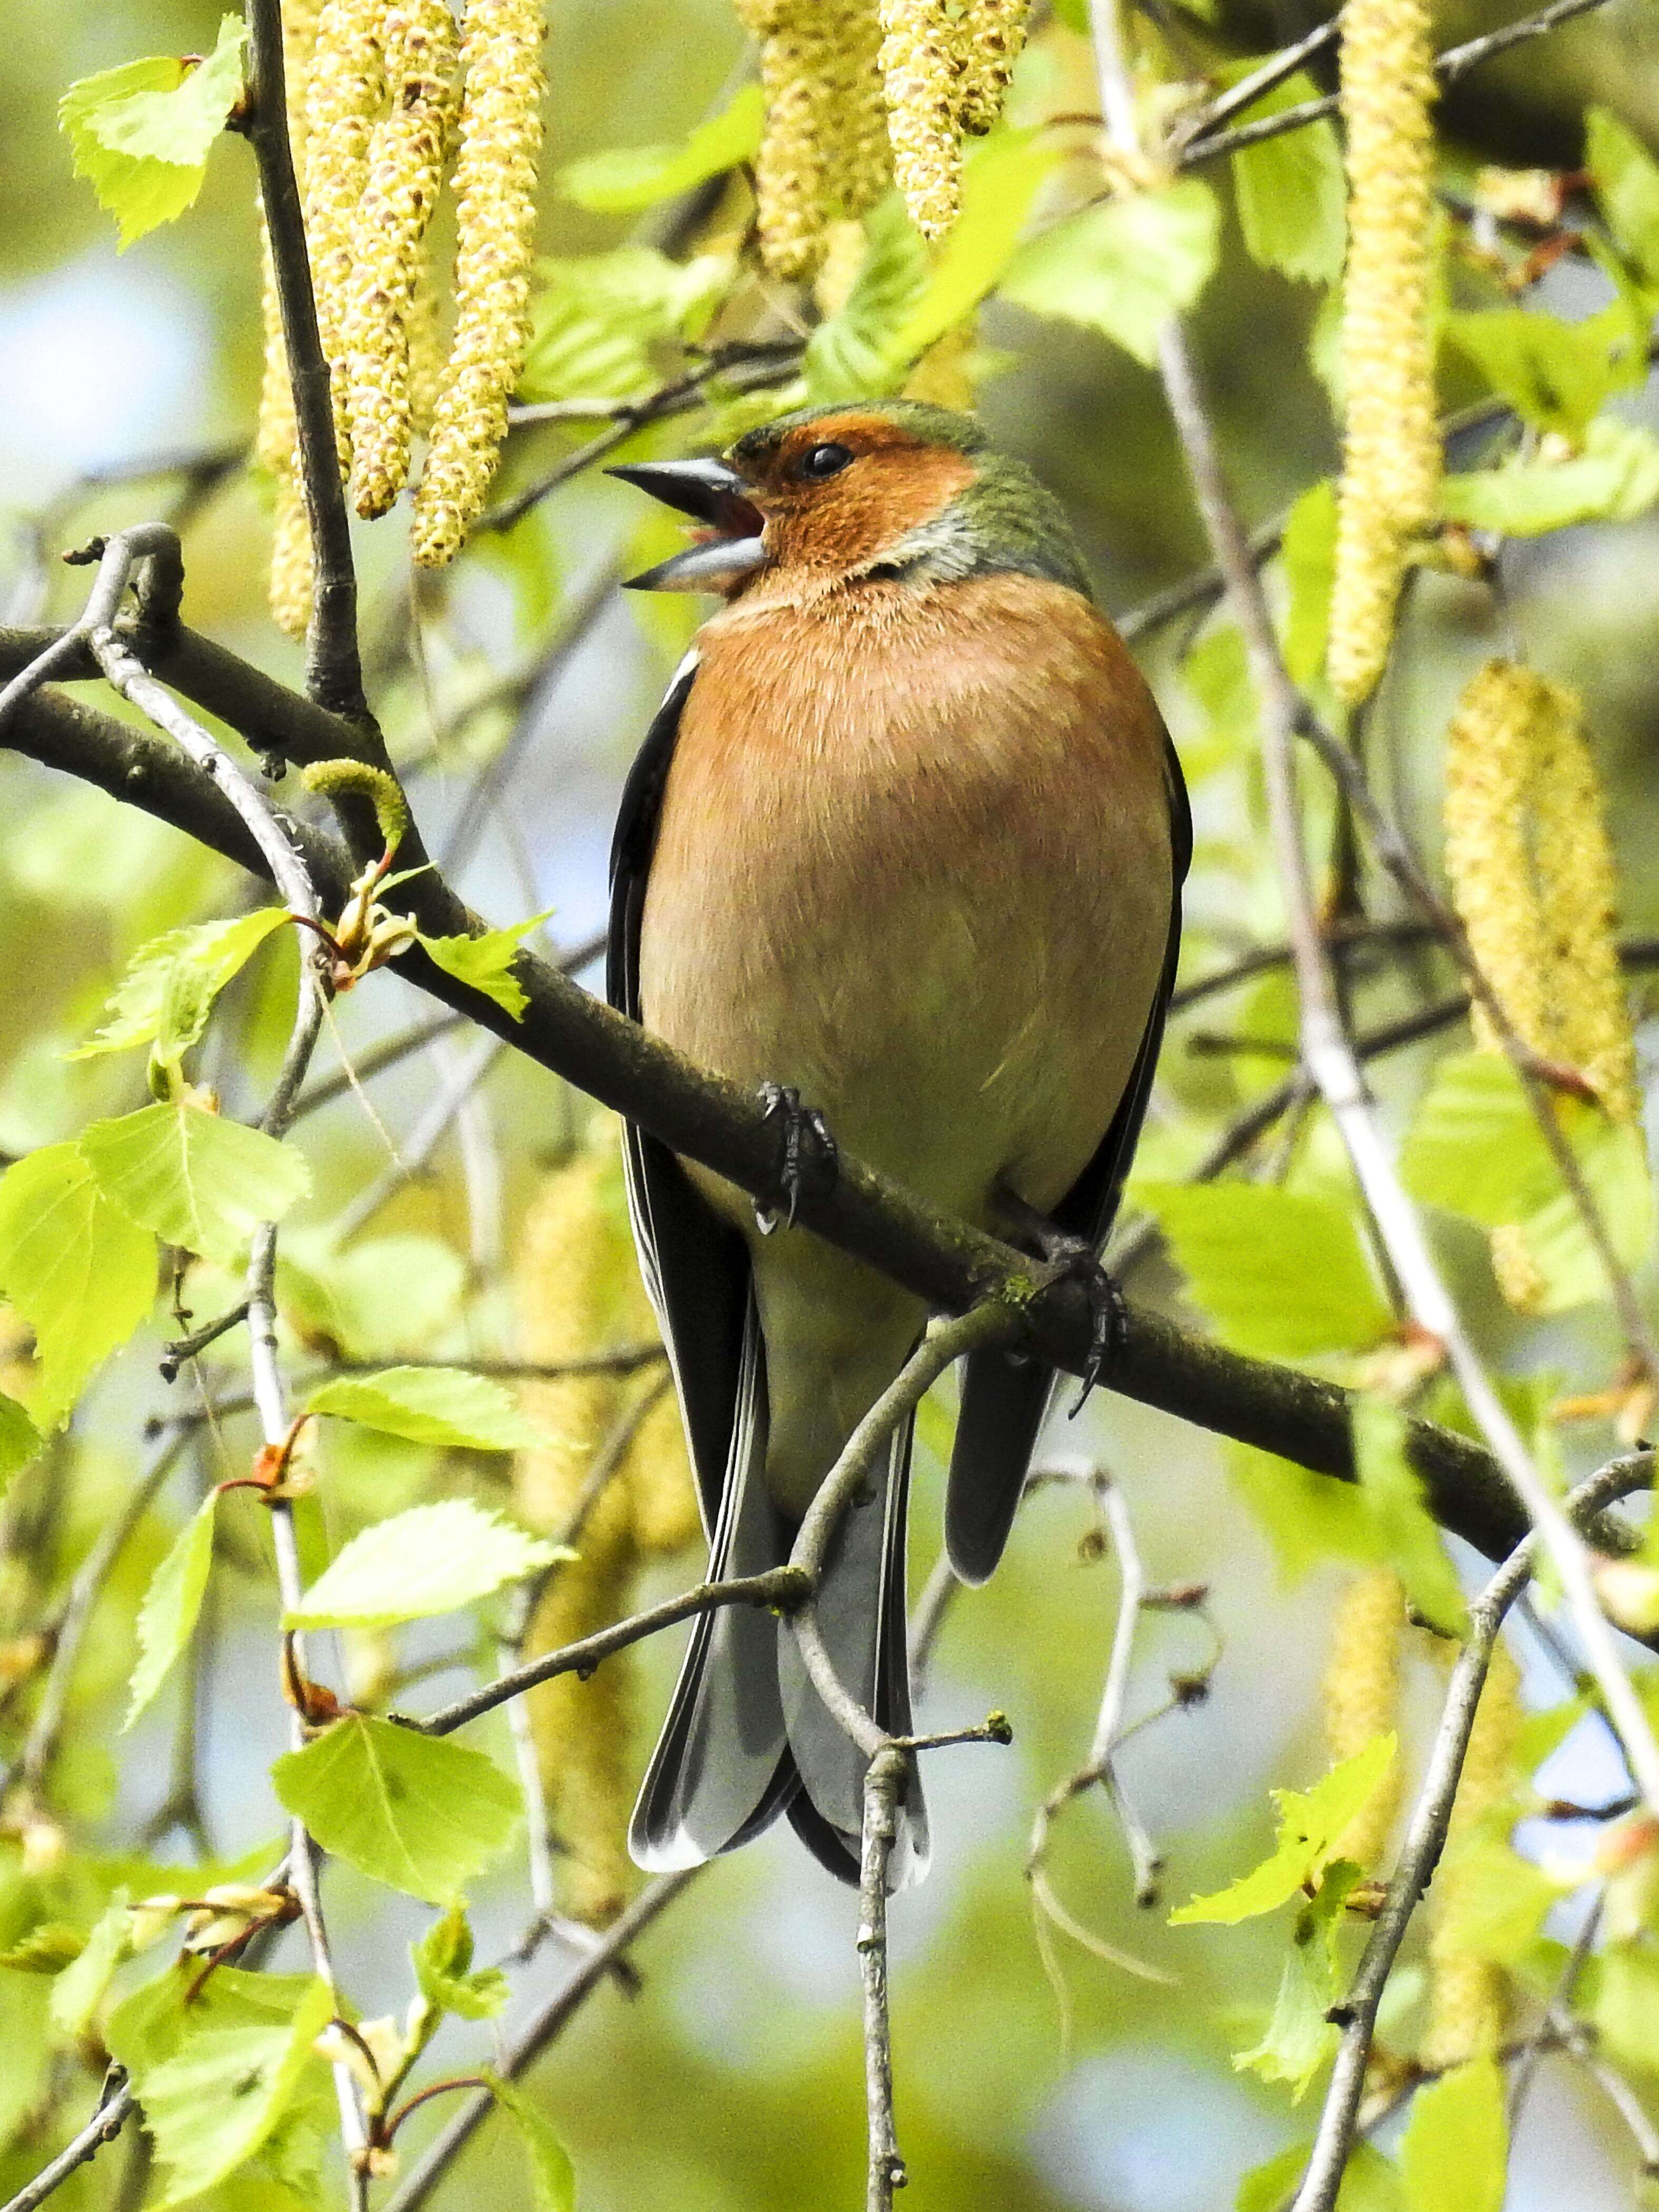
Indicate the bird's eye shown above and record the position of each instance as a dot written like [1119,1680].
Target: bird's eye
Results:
[825,461]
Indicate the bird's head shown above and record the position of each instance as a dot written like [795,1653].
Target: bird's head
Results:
[834,494]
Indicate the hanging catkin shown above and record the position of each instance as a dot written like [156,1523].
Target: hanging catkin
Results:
[343,95]
[580,1293]
[990,35]
[1532,875]
[1468,1996]
[501,137]
[404,168]
[1362,1697]
[919,62]
[1390,446]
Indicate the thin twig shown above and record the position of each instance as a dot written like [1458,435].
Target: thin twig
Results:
[106,2124]
[1454,62]
[424,1139]
[944,1342]
[1425,1837]
[780,1587]
[1330,1058]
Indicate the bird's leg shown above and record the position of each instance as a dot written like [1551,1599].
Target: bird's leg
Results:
[806,1154]
[1072,1256]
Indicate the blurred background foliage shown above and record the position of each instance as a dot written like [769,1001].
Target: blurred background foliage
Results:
[731,2078]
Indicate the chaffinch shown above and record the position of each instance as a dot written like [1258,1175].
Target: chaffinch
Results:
[907,837]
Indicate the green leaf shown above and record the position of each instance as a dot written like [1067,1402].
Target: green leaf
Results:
[1292,199]
[552,2177]
[1409,1535]
[78,1990]
[1000,181]
[595,317]
[20,1439]
[1307,560]
[1475,1150]
[431,1406]
[1280,1272]
[48,1948]
[627,177]
[852,354]
[1299,2039]
[1614,479]
[192,965]
[1124,267]
[77,1268]
[1494,1902]
[195,1178]
[433,1558]
[1455,2146]
[486,962]
[1554,375]
[380,1296]
[443,1959]
[158,2019]
[211,2108]
[417,1812]
[1625,2005]
[141,133]
[168,1616]
[1309,1823]
[1626,180]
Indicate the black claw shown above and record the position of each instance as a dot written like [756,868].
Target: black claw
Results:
[1110,1323]
[806,1154]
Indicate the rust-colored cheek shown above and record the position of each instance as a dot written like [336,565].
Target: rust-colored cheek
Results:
[848,521]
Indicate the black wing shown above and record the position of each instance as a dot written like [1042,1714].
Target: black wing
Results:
[1002,1404]
[695,1266]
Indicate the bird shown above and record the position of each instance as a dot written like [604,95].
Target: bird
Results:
[902,851]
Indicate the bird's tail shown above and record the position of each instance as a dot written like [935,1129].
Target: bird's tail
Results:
[747,1735]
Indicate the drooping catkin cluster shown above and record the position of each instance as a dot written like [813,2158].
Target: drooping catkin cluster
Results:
[944,74]
[1362,1697]
[580,1294]
[403,170]
[863,92]
[1391,448]
[501,137]
[343,93]
[1468,1996]
[1533,878]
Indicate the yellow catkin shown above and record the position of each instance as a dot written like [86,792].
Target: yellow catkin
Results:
[291,574]
[424,333]
[1579,903]
[919,71]
[859,152]
[404,169]
[1520,1277]
[791,168]
[1362,1697]
[1469,1998]
[580,1292]
[343,95]
[1491,760]
[1391,447]
[1532,875]
[495,185]
[989,36]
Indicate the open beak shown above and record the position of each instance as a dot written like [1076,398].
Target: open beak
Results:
[711,494]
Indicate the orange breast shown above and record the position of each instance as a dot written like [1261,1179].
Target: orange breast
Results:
[914,859]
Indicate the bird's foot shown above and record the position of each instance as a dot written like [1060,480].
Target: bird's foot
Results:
[807,1157]
[1072,1259]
